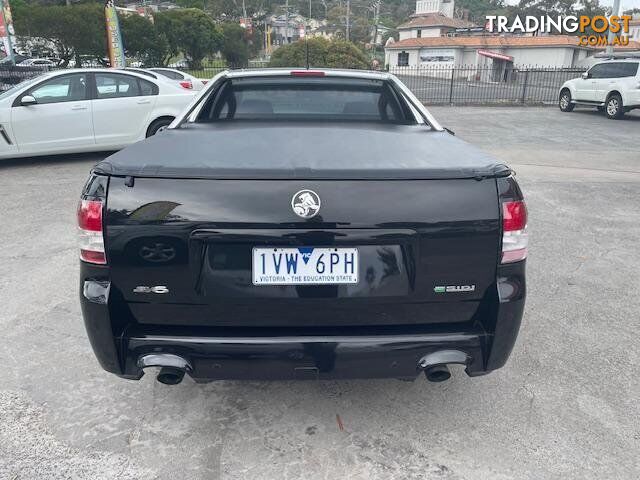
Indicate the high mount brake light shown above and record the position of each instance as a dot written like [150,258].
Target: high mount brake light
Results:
[90,231]
[515,238]
[307,73]
[186,84]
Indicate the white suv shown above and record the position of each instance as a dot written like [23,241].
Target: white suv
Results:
[611,85]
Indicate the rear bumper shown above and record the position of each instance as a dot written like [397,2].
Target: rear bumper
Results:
[259,353]
[304,357]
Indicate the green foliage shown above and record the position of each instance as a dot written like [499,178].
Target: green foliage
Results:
[75,30]
[360,31]
[190,31]
[323,53]
[479,9]
[235,49]
[142,40]
[556,7]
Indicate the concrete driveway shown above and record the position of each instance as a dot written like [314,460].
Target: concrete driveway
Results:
[564,407]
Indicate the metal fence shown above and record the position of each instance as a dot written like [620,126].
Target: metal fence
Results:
[432,85]
[11,75]
[472,84]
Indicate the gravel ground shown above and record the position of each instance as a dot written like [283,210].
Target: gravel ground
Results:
[565,406]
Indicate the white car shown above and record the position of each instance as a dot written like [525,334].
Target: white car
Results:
[179,64]
[183,78]
[37,62]
[188,82]
[84,110]
[611,85]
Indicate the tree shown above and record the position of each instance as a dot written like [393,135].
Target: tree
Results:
[322,53]
[557,7]
[142,40]
[360,29]
[235,49]
[477,10]
[190,31]
[75,30]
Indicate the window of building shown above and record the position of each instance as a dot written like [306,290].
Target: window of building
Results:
[403,59]
[419,33]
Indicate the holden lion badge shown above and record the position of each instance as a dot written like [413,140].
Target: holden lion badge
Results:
[306,203]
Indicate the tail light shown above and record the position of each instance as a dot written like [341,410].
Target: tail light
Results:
[515,238]
[90,231]
[307,73]
[186,84]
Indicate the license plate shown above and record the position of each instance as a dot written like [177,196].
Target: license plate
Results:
[305,266]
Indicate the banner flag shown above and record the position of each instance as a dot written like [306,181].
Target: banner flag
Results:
[114,37]
[6,28]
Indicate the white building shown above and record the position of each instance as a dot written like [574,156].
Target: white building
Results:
[634,29]
[432,39]
[433,18]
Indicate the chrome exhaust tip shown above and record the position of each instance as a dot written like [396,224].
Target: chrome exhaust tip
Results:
[172,367]
[434,365]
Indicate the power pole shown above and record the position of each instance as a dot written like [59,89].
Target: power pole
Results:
[348,19]
[286,16]
[615,11]
[376,19]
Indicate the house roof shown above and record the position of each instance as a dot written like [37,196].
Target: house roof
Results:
[435,20]
[498,42]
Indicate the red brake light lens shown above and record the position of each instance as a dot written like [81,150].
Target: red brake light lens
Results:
[186,84]
[307,73]
[90,232]
[90,215]
[514,216]
[515,239]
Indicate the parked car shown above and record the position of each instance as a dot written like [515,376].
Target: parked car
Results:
[186,84]
[611,85]
[184,79]
[17,59]
[85,110]
[179,64]
[37,62]
[302,224]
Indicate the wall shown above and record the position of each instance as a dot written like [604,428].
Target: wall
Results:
[544,56]
[426,32]
[391,58]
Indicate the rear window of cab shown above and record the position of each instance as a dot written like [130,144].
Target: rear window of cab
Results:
[305,99]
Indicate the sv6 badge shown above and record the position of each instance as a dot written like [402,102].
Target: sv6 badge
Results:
[155,289]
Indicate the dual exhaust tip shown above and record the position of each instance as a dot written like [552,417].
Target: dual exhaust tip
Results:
[173,367]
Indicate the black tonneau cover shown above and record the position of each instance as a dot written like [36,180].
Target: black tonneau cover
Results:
[302,150]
